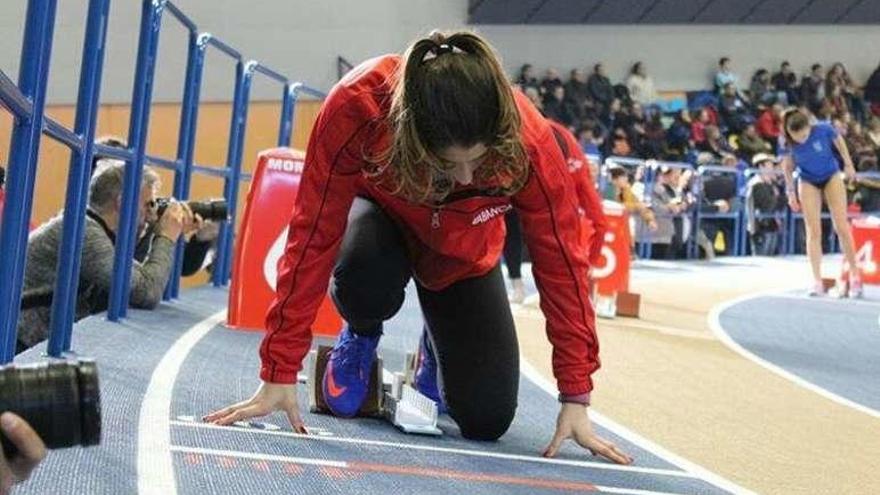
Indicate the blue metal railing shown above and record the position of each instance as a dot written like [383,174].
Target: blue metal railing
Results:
[26,102]
[24,148]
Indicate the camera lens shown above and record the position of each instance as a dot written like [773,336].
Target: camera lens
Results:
[61,402]
[214,209]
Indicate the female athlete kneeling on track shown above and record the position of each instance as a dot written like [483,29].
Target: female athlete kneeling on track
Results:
[810,148]
[410,167]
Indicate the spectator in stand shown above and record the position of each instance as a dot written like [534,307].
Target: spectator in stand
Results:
[698,126]
[725,76]
[678,137]
[634,122]
[762,92]
[769,124]
[750,143]
[715,144]
[839,124]
[600,87]
[867,194]
[619,144]
[550,82]
[813,89]
[837,100]
[558,108]
[825,112]
[534,95]
[719,196]
[527,79]
[654,143]
[764,198]
[613,115]
[872,91]
[786,81]
[576,89]
[640,85]
[619,189]
[863,152]
[873,133]
[590,138]
[851,95]
[733,109]
[666,203]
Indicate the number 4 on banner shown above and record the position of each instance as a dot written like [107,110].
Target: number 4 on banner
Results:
[865,259]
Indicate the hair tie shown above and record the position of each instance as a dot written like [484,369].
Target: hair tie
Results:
[443,48]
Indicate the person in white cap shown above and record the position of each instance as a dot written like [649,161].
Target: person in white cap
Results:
[763,200]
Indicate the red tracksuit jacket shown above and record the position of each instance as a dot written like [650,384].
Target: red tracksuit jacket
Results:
[588,198]
[461,239]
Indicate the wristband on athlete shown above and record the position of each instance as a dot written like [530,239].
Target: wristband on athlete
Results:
[583,399]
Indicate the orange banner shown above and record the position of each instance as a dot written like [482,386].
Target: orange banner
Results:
[612,272]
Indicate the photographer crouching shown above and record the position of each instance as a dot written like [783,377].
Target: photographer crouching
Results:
[148,277]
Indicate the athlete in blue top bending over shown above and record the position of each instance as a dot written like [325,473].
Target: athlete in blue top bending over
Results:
[813,149]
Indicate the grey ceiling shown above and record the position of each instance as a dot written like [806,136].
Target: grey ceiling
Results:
[674,11]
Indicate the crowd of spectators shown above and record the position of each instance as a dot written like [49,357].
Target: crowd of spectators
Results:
[731,124]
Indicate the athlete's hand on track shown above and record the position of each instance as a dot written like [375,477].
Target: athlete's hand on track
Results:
[268,398]
[573,422]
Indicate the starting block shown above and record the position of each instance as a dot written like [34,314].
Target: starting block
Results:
[398,402]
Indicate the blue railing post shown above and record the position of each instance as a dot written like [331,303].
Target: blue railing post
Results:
[67,281]
[243,78]
[294,91]
[151,18]
[288,101]
[24,152]
[186,142]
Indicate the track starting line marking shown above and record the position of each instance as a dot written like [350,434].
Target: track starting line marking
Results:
[337,468]
[447,450]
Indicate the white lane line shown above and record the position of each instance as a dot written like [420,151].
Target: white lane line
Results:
[259,457]
[718,330]
[155,468]
[827,299]
[690,468]
[360,467]
[629,491]
[448,450]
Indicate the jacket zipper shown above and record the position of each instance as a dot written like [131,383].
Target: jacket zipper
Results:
[435,218]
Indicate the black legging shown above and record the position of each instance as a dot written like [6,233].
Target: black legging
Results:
[469,323]
[513,245]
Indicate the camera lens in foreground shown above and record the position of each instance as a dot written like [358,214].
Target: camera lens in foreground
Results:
[60,400]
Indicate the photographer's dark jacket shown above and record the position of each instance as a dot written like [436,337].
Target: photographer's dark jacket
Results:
[148,279]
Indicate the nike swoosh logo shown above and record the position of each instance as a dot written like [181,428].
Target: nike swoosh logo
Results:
[332,390]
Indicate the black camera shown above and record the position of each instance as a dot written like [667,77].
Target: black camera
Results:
[60,400]
[211,209]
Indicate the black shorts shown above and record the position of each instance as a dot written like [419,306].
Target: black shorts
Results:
[819,184]
[469,323]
